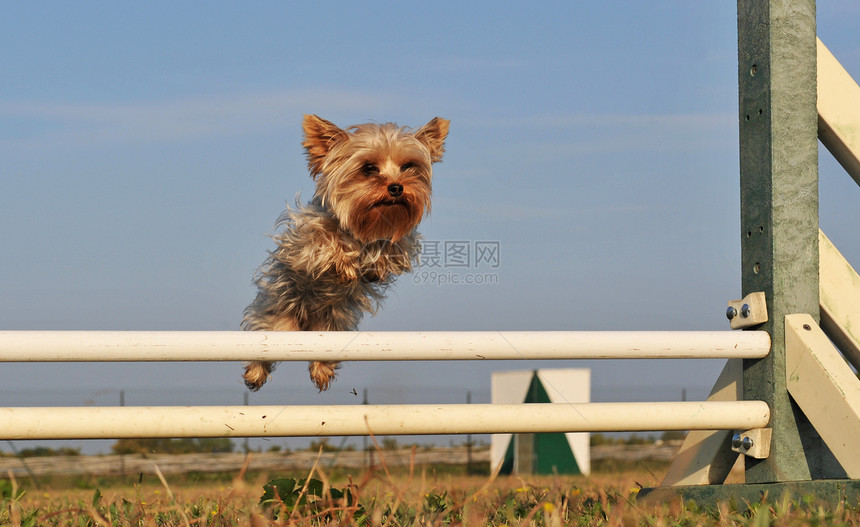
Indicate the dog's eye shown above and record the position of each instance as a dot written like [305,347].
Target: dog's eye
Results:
[407,166]
[369,169]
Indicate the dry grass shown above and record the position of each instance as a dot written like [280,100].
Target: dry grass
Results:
[383,497]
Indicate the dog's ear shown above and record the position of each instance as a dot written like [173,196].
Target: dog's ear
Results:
[433,136]
[320,137]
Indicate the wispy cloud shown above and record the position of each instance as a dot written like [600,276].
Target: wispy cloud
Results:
[585,134]
[84,124]
[471,65]
[597,120]
[505,210]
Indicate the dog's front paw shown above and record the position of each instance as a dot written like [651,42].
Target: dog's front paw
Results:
[256,374]
[323,373]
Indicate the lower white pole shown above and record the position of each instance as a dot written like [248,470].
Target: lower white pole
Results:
[297,421]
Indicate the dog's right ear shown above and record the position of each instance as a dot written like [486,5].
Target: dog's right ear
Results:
[320,136]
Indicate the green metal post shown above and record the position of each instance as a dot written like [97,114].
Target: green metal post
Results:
[779,248]
[779,209]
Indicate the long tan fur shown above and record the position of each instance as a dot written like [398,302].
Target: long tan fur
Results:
[335,256]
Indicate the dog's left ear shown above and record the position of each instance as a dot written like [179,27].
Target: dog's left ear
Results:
[433,135]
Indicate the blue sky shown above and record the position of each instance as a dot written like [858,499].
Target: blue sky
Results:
[147,150]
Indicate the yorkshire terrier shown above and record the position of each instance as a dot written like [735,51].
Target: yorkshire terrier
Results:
[336,256]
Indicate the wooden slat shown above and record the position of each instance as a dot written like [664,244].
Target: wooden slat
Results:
[838,112]
[706,456]
[824,387]
[840,300]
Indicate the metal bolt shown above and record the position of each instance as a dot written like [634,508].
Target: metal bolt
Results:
[736,441]
[731,312]
[747,443]
[745,310]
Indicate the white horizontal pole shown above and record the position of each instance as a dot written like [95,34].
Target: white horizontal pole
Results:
[299,421]
[119,346]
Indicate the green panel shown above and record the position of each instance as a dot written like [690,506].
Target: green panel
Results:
[537,393]
[508,461]
[553,452]
[554,455]
[779,212]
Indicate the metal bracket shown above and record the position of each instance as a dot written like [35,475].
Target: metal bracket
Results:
[753,443]
[749,311]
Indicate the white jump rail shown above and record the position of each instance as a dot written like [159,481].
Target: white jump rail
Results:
[123,346]
[304,421]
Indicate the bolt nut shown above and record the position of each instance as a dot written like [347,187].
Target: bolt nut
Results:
[731,312]
[747,443]
[736,441]
[745,310]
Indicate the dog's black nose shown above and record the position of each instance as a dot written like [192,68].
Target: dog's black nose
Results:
[395,190]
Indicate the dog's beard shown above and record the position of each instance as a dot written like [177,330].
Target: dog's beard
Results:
[386,218]
[368,211]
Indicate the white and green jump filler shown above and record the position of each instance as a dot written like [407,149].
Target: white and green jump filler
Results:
[547,453]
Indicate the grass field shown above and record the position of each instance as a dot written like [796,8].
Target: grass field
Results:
[395,497]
